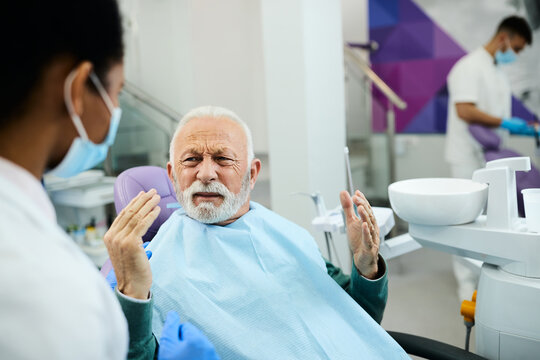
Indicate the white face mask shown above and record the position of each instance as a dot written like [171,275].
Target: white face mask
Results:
[83,154]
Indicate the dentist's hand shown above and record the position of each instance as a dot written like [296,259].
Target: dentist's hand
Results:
[363,233]
[183,341]
[124,243]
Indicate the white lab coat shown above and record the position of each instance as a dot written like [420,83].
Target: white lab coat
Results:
[475,78]
[54,304]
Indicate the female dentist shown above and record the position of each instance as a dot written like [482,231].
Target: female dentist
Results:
[62,70]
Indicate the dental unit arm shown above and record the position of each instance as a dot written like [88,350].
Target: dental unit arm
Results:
[502,198]
[498,238]
[507,313]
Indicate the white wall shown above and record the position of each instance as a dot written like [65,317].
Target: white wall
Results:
[355,19]
[303,59]
[158,50]
[189,53]
[358,95]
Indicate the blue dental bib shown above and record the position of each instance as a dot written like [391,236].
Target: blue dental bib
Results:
[258,288]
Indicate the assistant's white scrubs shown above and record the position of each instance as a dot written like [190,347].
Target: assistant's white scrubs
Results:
[476,79]
[54,304]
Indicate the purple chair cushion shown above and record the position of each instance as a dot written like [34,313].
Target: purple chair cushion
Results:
[485,137]
[143,178]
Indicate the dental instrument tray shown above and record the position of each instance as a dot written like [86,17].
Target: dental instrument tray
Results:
[332,221]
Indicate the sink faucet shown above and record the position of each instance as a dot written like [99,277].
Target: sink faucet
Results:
[500,175]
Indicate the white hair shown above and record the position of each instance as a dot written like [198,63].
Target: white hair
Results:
[213,112]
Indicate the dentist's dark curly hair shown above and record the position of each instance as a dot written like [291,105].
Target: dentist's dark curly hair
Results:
[33,33]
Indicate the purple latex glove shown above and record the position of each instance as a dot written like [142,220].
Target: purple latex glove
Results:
[183,341]
[111,276]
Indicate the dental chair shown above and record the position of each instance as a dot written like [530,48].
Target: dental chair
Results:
[132,181]
[143,178]
[491,144]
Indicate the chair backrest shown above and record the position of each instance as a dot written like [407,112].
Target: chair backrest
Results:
[486,137]
[143,178]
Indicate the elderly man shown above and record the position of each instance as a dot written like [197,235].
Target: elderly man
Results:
[252,281]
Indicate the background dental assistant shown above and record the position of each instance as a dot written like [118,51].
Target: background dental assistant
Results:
[479,93]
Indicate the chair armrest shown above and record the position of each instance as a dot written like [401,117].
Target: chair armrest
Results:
[431,349]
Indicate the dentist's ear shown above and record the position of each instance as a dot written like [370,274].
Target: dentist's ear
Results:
[500,39]
[78,86]
[504,41]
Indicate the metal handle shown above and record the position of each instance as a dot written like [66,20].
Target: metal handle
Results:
[375,79]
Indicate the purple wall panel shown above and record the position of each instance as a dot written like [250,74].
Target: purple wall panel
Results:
[445,47]
[409,11]
[424,121]
[383,13]
[415,55]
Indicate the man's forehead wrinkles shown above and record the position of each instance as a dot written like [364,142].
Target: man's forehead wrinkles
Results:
[212,149]
[215,137]
[204,147]
[204,135]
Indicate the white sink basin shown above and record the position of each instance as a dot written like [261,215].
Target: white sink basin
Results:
[438,201]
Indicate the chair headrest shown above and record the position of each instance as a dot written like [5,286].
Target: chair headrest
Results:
[143,178]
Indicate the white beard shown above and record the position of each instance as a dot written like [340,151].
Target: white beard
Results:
[207,212]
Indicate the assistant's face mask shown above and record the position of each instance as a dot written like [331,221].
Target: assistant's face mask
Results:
[507,57]
[83,154]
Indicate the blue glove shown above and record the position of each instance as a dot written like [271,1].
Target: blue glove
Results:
[111,276]
[183,341]
[518,126]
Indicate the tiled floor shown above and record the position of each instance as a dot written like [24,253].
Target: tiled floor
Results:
[422,298]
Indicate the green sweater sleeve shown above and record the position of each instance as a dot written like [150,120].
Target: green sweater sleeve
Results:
[142,343]
[371,295]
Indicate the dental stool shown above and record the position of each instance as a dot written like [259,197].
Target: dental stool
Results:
[143,178]
[491,144]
